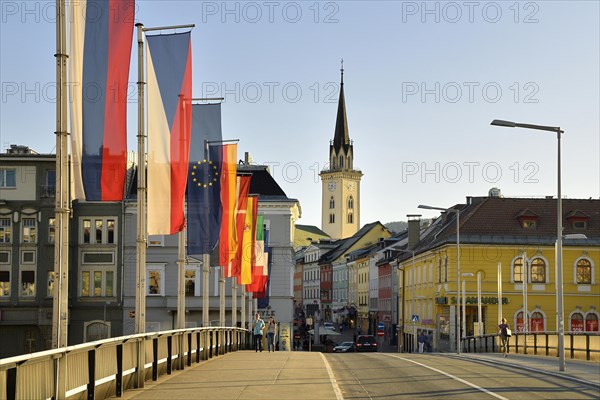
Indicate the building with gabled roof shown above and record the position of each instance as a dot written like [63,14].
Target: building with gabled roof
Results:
[496,234]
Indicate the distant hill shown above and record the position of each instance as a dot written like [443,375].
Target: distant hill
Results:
[397,226]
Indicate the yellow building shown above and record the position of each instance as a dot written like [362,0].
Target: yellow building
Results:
[495,233]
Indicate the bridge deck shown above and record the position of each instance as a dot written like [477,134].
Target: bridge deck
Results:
[247,375]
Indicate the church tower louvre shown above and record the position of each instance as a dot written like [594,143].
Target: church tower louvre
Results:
[340,205]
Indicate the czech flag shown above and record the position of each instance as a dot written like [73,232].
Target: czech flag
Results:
[100,37]
[169,65]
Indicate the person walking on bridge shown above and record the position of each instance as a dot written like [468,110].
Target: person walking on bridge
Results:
[257,330]
[271,327]
[505,333]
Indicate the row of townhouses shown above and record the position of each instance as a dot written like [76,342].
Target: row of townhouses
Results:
[102,256]
[407,282]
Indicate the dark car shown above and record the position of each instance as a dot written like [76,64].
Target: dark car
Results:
[366,343]
[344,347]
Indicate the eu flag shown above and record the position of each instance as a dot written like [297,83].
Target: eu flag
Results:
[204,177]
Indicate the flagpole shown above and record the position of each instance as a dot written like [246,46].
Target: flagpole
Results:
[140,295]
[234,288]
[60,307]
[181,292]
[205,289]
[243,306]
[222,296]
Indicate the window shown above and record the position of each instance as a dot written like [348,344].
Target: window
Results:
[446,269]
[439,270]
[8,178]
[584,271]
[591,322]
[577,322]
[50,284]
[29,232]
[331,203]
[518,270]
[51,229]
[350,218]
[341,161]
[536,322]
[98,230]
[331,218]
[155,278]
[579,225]
[538,271]
[28,257]
[156,240]
[192,276]
[49,190]
[528,224]
[97,282]
[27,283]
[350,202]
[4,283]
[96,330]
[5,225]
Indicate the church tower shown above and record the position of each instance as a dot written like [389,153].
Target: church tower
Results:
[340,205]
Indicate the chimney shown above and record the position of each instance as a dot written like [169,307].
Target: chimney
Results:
[414,230]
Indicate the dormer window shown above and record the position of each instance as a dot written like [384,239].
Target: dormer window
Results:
[527,219]
[578,220]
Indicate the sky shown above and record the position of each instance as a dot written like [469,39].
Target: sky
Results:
[422,81]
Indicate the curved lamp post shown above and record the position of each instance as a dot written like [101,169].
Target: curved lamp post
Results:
[559,271]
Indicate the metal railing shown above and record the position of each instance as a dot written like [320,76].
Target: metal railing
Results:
[104,368]
[578,345]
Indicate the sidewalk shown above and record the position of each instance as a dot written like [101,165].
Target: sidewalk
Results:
[587,372]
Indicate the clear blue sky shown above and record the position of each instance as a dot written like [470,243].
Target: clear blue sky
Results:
[423,81]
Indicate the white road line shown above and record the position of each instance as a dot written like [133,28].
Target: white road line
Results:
[456,378]
[336,388]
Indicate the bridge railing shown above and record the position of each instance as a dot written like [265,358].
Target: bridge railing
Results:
[578,345]
[104,368]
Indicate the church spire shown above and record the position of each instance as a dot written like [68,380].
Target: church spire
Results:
[341,137]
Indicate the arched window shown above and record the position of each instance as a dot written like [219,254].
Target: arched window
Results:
[577,322]
[331,218]
[332,162]
[537,322]
[584,272]
[341,161]
[331,203]
[349,162]
[350,202]
[591,322]
[538,271]
[517,273]
[350,218]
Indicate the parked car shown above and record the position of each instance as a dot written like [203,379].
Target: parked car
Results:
[344,347]
[366,343]
[329,325]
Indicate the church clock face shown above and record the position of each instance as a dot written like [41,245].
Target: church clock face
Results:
[331,186]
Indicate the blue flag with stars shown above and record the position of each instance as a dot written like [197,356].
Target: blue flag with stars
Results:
[204,177]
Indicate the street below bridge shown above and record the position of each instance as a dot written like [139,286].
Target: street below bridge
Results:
[304,375]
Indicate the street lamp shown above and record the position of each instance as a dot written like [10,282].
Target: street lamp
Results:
[457,211]
[559,271]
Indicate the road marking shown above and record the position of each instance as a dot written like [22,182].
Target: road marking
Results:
[456,378]
[336,388]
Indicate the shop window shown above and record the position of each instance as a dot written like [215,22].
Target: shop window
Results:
[577,322]
[591,322]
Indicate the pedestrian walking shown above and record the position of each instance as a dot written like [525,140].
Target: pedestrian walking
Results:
[257,330]
[421,340]
[505,333]
[271,328]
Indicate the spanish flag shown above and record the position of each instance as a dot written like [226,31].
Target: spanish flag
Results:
[248,255]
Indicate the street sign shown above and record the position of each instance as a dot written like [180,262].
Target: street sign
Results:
[380,333]
[380,326]
[415,318]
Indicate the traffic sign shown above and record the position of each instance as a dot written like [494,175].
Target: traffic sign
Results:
[380,326]
[415,318]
